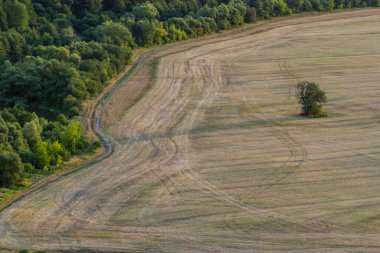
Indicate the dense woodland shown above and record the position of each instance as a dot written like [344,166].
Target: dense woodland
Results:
[56,54]
[29,142]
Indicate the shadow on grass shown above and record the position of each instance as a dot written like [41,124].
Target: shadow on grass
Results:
[211,128]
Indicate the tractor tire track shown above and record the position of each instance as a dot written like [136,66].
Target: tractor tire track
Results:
[135,196]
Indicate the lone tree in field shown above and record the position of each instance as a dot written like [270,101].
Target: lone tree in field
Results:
[311,97]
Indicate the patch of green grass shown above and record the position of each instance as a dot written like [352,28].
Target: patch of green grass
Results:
[153,67]
[30,251]
[6,193]
[153,70]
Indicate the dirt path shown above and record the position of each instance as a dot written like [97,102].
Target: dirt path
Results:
[207,160]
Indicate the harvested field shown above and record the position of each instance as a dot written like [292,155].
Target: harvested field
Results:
[214,157]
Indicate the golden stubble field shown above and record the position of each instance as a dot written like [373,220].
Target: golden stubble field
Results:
[214,157]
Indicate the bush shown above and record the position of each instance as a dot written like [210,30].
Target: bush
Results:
[25,251]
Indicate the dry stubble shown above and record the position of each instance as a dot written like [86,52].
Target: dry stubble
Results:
[213,158]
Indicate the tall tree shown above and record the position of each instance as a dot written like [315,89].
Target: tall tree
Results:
[32,133]
[311,97]
[3,18]
[72,136]
[19,17]
[11,169]
[146,10]
[82,7]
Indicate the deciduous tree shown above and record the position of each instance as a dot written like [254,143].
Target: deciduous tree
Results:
[311,97]
[11,169]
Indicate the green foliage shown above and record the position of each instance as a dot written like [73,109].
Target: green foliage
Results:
[42,155]
[282,8]
[144,32]
[175,34]
[146,10]
[29,142]
[81,7]
[115,5]
[112,33]
[29,251]
[25,251]
[14,45]
[58,153]
[3,18]
[72,135]
[19,18]
[310,96]
[11,169]
[32,133]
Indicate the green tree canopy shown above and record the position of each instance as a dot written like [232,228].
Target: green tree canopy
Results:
[82,7]
[146,10]
[32,132]
[11,169]
[112,33]
[72,135]
[19,17]
[311,97]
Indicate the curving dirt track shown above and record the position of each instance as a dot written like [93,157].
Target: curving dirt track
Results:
[214,159]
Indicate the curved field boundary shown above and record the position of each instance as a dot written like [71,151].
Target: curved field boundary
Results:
[95,127]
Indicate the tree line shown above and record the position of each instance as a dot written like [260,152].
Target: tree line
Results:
[56,54]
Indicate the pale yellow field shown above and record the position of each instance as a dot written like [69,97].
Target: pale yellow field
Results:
[214,157]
